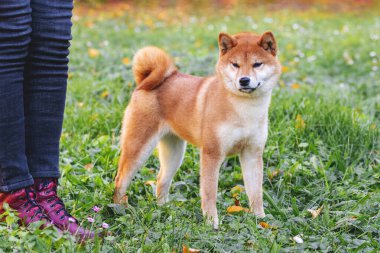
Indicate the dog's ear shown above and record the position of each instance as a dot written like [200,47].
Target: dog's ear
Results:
[268,42]
[226,42]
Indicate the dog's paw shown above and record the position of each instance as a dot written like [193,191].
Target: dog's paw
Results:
[214,222]
[259,214]
[123,200]
[162,201]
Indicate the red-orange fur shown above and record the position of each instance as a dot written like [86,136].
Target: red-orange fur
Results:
[169,107]
[150,67]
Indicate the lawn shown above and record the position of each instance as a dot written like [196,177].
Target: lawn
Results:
[322,151]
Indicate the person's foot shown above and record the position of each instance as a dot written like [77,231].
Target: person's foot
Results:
[46,189]
[23,201]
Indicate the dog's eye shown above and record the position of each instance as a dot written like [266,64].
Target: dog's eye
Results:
[236,65]
[257,64]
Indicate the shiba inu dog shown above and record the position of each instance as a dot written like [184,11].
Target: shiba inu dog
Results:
[223,115]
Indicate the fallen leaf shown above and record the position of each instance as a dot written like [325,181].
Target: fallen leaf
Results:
[315,213]
[237,189]
[89,166]
[263,224]
[93,53]
[236,209]
[300,123]
[274,174]
[186,249]
[150,182]
[295,86]
[105,94]
[125,60]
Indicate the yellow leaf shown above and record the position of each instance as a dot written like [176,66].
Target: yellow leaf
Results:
[237,189]
[150,182]
[300,123]
[315,213]
[94,116]
[285,69]
[187,249]
[289,47]
[274,174]
[125,60]
[198,43]
[93,53]
[70,75]
[263,224]
[236,209]
[373,126]
[89,166]
[295,86]
[105,94]
[80,104]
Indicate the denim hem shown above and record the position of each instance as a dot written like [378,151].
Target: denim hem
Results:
[52,173]
[16,185]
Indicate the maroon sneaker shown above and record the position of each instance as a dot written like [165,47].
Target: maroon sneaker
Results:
[24,202]
[47,198]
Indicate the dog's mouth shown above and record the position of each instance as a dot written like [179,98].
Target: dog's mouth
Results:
[249,89]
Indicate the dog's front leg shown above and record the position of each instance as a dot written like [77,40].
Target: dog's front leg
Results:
[210,165]
[252,167]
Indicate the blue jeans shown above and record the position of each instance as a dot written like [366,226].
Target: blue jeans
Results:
[34,45]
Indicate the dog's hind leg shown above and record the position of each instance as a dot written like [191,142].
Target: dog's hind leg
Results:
[140,136]
[171,151]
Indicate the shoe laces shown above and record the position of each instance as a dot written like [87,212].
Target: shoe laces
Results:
[50,185]
[31,204]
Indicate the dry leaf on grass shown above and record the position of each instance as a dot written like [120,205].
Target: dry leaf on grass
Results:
[300,123]
[186,249]
[125,60]
[89,166]
[315,213]
[236,209]
[93,53]
[263,224]
[295,86]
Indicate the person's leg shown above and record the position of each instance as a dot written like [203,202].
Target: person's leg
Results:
[45,81]
[15,181]
[15,29]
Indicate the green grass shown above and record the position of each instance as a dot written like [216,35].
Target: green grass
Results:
[331,161]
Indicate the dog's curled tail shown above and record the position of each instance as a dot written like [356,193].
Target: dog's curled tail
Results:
[151,66]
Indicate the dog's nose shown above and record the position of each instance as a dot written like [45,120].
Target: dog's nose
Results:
[244,81]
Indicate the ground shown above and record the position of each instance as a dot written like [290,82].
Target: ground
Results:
[322,152]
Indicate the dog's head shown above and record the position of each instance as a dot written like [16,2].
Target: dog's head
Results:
[248,63]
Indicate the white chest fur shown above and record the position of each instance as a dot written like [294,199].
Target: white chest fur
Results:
[248,127]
